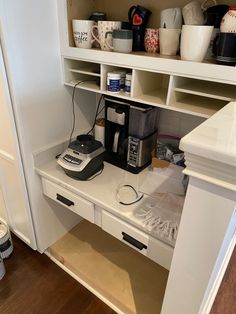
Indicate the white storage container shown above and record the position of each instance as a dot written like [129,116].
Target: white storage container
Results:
[113,82]
[2,268]
[6,246]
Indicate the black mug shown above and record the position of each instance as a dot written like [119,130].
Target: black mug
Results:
[98,16]
[138,15]
[226,49]
[138,19]
[215,14]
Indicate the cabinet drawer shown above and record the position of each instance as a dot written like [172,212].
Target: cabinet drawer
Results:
[158,251]
[125,232]
[78,205]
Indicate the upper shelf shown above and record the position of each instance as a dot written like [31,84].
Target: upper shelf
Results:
[156,63]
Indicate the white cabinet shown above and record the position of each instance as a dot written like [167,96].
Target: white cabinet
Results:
[199,89]
[14,202]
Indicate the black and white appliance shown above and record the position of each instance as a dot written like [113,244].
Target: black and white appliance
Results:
[130,133]
[83,158]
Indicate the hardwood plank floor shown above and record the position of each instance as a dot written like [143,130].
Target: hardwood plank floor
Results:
[225,301]
[34,284]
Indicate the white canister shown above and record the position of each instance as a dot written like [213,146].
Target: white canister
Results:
[6,246]
[2,268]
[113,82]
[128,79]
[99,130]
[122,78]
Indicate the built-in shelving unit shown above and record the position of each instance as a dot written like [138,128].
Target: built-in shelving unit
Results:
[197,90]
[183,94]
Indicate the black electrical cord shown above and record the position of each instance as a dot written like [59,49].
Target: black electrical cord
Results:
[138,197]
[73,106]
[96,114]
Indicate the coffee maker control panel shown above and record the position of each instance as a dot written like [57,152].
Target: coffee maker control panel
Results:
[133,151]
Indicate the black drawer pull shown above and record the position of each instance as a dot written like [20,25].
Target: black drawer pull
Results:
[64,200]
[139,245]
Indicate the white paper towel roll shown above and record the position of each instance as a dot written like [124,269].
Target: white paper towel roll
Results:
[99,130]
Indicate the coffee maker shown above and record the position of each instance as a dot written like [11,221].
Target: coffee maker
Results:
[130,134]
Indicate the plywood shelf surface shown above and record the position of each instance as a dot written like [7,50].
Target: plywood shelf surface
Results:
[130,281]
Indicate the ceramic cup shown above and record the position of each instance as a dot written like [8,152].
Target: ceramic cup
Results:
[122,40]
[97,16]
[228,22]
[171,18]
[138,15]
[102,28]
[151,40]
[169,41]
[195,40]
[82,31]
[193,13]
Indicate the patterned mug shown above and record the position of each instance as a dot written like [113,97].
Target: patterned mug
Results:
[151,40]
[228,22]
[102,29]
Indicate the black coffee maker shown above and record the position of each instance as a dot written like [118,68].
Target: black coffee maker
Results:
[138,19]
[130,133]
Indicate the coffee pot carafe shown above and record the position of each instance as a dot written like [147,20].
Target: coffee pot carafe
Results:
[138,19]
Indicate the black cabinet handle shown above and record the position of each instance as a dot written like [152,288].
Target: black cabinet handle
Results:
[64,200]
[139,245]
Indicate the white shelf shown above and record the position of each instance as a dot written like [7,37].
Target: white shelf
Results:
[85,71]
[182,94]
[89,86]
[209,89]
[198,106]
[154,98]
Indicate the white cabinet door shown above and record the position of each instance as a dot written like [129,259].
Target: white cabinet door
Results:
[14,201]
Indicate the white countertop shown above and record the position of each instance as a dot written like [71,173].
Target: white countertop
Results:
[214,139]
[102,189]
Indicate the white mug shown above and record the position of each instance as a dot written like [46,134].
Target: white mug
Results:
[193,13]
[195,40]
[122,40]
[103,28]
[169,41]
[171,18]
[82,31]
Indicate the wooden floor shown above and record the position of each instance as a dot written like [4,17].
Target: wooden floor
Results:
[225,302]
[34,284]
